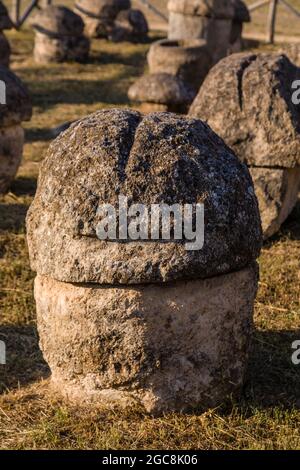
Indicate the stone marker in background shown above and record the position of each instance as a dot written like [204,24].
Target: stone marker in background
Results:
[241,15]
[161,92]
[188,59]
[143,321]
[17,109]
[130,25]
[247,99]
[5,23]
[59,36]
[219,22]
[99,15]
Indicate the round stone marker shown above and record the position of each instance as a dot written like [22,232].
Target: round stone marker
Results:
[143,321]
[161,92]
[17,109]
[59,36]
[247,99]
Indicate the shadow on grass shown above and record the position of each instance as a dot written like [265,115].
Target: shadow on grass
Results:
[24,186]
[24,361]
[12,216]
[272,378]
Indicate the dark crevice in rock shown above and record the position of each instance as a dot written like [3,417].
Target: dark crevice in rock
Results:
[240,73]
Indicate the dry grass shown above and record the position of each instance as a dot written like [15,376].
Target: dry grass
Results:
[266,417]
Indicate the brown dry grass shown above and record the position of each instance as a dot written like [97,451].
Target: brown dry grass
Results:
[266,417]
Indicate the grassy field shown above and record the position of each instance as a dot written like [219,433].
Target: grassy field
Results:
[268,413]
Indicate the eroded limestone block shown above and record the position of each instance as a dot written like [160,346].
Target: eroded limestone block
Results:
[187,59]
[277,193]
[247,99]
[11,149]
[166,347]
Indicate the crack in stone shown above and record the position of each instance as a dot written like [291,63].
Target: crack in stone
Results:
[240,74]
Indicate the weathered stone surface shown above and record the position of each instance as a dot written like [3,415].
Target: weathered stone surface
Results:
[11,149]
[58,21]
[277,193]
[208,8]
[5,21]
[4,50]
[99,15]
[170,347]
[48,49]
[150,159]
[163,89]
[247,100]
[18,104]
[187,59]
[130,25]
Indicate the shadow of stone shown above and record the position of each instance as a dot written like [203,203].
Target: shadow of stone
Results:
[24,186]
[272,378]
[12,216]
[24,361]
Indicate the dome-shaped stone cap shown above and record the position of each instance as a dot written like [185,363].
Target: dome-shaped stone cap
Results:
[211,8]
[247,99]
[241,12]
[151,159]
[18,106]
[101,8]
[58,20]
[161,88]
[5,21]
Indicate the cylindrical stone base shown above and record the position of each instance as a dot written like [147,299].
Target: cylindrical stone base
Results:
[166,347]
[50,49]
[277,192]
[11,149]
[187,59]
[215,31]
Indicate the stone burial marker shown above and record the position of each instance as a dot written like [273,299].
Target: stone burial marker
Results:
[99,15]
[219,22]
[161,92]
[17,108]
[130,25]
[143,321]
[5,23]
[59,36]
[247,99]
[187,59]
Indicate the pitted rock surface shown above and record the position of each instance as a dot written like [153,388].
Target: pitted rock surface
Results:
[156,158]
[247,99]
